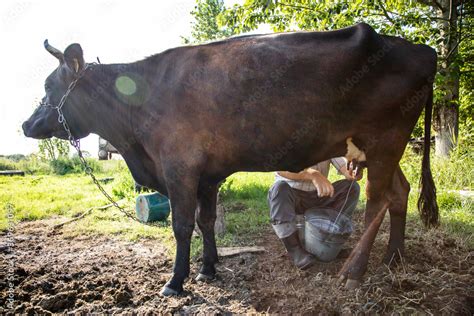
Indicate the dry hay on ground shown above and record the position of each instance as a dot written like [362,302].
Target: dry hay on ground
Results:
[100,274]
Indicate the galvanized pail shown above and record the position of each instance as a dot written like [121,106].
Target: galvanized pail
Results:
[152,207]
[325,232]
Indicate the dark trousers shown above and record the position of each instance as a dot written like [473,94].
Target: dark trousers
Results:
[285,202]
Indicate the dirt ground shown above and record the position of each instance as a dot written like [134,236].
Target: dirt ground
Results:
[56,274]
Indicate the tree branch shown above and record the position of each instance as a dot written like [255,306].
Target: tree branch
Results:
[452,50]
[385,13]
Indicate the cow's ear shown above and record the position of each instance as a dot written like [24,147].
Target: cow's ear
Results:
[73,57]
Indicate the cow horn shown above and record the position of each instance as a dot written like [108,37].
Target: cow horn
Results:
[53,51]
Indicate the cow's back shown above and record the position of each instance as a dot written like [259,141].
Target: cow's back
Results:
[247,97]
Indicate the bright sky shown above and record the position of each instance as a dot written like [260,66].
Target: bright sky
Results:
[116,31]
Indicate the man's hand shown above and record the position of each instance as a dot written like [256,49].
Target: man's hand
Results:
[352,174]
[322,184]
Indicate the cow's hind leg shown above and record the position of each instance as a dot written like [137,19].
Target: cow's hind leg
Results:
[378,184]
[182,190]
[207,199]
[398,213]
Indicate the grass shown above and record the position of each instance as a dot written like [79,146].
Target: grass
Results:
[243,195]
[47,195]
[44,196]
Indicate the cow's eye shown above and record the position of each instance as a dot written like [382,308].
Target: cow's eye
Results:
[47,88]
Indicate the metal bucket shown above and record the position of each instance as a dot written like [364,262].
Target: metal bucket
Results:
[326,232]
[152,207]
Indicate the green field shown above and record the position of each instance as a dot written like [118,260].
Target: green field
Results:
[43,195]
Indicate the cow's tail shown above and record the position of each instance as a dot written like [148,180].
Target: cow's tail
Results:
[427,204]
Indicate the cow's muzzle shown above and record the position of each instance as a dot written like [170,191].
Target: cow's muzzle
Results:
[35,130]
[26,128]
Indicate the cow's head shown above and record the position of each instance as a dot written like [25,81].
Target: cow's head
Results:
[43,123]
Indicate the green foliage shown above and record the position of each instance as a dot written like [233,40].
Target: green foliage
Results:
[205,26]
[62,166]
[390,17]
[14,157]
[7,164]
[53,148]
[419,21]
[124,185]
[30,164]
[34,165]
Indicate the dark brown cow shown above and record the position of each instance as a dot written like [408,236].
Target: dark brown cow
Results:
[187,118]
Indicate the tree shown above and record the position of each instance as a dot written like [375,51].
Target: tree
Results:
[53,148]
[443,24]
[205,26]
[446,111]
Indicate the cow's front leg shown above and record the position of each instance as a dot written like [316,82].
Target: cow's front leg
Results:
[182,191]
[207,199]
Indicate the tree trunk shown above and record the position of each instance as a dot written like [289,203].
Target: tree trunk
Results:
[446,112]
[447,133]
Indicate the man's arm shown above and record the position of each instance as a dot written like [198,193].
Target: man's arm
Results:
[304,175]
[322,184]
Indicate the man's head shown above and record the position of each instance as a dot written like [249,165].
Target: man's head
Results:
[43,123]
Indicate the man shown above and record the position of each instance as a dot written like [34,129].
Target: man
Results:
[294,193]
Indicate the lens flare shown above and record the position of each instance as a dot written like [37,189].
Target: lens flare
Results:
[126,85]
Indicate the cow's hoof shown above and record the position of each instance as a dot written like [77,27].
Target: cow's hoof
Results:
[352,284]
[167,291]
[205,278]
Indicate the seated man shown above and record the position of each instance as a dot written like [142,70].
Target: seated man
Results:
[294,193]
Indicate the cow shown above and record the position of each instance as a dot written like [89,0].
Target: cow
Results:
[188,117]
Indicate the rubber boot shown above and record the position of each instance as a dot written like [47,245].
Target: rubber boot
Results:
[301,258]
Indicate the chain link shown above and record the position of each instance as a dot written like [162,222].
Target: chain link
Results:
[77,145]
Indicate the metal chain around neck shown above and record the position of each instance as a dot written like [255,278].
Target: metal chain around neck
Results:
[77,145]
